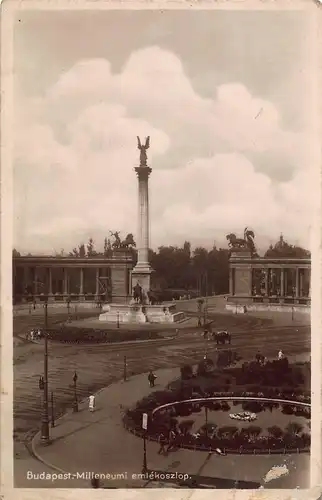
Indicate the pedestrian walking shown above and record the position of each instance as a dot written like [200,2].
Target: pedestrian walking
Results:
[172,438]
[91,404]
[151,378]
[162,441]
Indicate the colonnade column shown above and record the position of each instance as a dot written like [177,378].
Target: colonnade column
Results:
[297,283]
[81,281]
[97,282]
[50,285]
[65,282]
[266,282]
[301,282]
[282,291]
[25,278]
[35,287]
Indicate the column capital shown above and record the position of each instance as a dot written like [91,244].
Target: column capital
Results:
[143,172]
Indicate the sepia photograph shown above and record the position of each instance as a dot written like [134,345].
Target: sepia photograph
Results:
[165,188]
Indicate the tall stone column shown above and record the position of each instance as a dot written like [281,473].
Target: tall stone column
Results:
[142,272]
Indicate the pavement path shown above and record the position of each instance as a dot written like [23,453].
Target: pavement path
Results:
[97,442]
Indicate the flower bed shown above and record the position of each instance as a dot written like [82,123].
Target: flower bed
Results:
[76,335]
[245,416]
[163,407]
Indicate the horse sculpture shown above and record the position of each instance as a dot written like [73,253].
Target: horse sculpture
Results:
[235,242]
[128,242]
[247,242]
[222,337]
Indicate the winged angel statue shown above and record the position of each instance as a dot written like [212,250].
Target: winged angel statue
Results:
[143,148]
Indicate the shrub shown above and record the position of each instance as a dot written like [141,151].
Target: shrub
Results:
[275,431]
[224,406]
[186,372]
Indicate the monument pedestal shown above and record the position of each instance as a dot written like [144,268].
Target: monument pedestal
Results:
[134,313]
[141,275]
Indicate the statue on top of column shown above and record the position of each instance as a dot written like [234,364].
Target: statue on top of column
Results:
[143,148]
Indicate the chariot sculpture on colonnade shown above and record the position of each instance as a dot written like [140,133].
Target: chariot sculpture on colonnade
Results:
[127,243]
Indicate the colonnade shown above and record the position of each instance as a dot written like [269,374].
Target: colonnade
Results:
[282,282]
[75,278]
[269,280]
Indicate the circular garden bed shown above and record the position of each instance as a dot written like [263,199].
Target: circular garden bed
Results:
[204,424]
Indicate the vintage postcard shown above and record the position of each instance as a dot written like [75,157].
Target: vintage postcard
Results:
[160,249]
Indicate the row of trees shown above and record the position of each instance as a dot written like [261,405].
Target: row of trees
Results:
[185,269]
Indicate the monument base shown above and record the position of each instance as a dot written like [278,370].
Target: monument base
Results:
[137,313]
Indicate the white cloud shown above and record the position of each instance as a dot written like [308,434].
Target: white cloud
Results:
[76,150]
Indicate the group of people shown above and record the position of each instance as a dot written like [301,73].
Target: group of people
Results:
[34,335]
[168,443]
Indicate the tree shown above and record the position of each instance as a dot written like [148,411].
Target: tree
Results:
[15,253]
[275,431]
[91,248]
[227,431]
[253,430]
[186,372]
[81,250]
[185,426]
[107,247]
[282,249]
[294,428]
[74,253]
[200,267]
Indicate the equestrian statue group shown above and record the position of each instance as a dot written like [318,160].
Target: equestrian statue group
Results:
[246,243]
[127,243]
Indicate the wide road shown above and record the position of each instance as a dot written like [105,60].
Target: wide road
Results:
[99,365]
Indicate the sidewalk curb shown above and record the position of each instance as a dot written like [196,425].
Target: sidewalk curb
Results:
[36,437]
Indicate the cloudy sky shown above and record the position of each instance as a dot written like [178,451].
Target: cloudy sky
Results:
[226,98]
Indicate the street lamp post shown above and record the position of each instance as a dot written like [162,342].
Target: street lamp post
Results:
[75,403]
[118,319]
[124,370]
[206,418]
[145,428]
[52,410]
[44,419]
[144,467]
